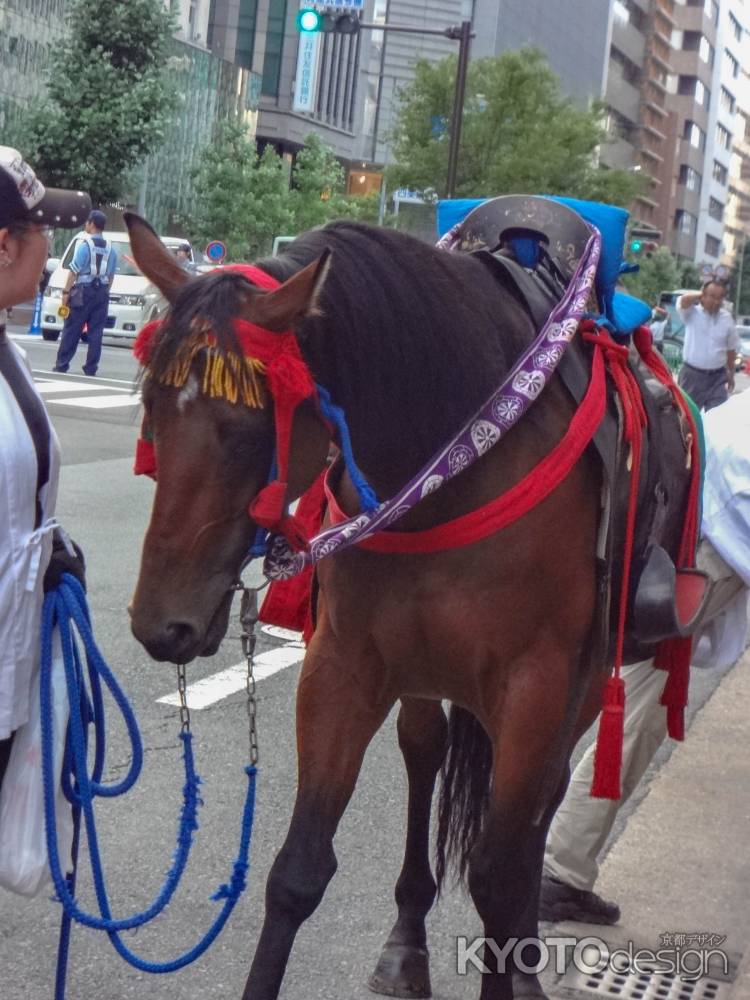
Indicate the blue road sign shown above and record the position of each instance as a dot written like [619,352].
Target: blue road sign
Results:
[216,251]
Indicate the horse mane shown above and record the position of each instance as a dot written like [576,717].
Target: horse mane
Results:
[418,335]
[421,334]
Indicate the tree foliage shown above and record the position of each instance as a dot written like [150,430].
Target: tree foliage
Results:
[245,199]
[519,134]
[661,272]
[108,102]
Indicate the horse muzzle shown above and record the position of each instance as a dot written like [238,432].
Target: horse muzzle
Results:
[180,640]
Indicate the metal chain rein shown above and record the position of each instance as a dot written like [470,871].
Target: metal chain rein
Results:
[248,638]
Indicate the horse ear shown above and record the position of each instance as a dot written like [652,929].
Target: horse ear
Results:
[286,306]
[153,258]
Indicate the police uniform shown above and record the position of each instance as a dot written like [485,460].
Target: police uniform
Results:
[93,264]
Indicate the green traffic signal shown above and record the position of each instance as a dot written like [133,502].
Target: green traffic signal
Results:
[309,20]
[636,246]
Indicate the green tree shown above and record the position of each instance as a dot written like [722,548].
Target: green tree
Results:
[520,133]
[241,198]
[661,272]
[108,101]
[245,200]
[318,189]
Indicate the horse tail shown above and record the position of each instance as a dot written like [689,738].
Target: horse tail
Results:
[464,792]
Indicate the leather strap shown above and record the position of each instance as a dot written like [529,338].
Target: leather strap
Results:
[34,414]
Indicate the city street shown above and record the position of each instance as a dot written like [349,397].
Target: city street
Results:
[105,509]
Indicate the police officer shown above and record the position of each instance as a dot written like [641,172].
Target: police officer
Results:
[86,293]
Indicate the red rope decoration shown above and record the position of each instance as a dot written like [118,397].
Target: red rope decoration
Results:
[608,755]
[674,655]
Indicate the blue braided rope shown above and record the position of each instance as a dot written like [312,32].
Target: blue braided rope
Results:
[367,498]
[61,607]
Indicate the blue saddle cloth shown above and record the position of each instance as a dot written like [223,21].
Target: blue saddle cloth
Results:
[621,312]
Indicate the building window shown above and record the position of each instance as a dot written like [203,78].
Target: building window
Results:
[715,209]
[713,246]
[735,27]
[696,41]
[694,134]
[690,178]
[719,172]
[631,72]
[248,14]
[684,222]
[723,137]
[731,66]
[274,47]
[691,86]
[621,12]
[726,101]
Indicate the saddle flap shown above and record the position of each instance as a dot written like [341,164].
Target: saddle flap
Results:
[668,602]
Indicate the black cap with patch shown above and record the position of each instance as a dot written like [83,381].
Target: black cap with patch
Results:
[23,197]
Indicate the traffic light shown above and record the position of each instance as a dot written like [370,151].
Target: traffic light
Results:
[643,241]
[310,20]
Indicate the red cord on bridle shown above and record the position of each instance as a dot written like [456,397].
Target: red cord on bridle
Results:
[608,754]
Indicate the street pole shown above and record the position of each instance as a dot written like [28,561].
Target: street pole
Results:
[464,39]
[739,278]
[463,35]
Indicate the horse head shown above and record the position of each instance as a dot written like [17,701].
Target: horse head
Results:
[212,414]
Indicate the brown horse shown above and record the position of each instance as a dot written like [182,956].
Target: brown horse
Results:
[408,340]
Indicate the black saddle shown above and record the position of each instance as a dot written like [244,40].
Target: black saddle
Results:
[663,601]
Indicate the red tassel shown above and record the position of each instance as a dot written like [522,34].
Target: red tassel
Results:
[287,602]
[267,509]
[289,379]
[145,458]
[674,655]
[145,342]
[608,755]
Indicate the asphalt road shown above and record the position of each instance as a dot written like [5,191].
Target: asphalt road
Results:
[105,508]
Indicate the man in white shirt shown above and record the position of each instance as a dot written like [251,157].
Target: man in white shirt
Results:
[710,347]
[583,824]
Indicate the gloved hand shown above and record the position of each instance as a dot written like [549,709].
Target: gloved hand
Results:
[67,557]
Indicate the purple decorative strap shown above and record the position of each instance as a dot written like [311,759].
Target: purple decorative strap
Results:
[502,410]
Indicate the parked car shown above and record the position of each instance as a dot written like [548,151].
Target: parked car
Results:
[133,299]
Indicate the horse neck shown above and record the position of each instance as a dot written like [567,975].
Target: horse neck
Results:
[399,419]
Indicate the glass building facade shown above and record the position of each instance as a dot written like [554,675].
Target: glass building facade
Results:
[210,89]
[28,31]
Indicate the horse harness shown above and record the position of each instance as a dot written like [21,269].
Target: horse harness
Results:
[665,472]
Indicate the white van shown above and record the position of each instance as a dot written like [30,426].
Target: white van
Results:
[133,299]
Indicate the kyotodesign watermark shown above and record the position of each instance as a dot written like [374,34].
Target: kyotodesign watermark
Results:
[681,954]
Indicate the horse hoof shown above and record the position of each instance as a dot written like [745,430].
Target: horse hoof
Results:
[402,971]
[527,987]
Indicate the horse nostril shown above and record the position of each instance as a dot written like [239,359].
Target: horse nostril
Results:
[182,635]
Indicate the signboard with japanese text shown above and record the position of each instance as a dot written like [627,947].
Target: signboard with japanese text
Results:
[305,83]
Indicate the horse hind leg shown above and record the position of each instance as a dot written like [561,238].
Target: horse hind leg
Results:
[403,967]
[339,709]
[506,861]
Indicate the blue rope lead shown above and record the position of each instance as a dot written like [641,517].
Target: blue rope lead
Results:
[62,607]
[335,415]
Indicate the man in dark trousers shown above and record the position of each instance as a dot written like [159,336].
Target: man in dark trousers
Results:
[86,293]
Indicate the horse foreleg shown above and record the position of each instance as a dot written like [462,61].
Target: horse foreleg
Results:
[338,713]
[403,966]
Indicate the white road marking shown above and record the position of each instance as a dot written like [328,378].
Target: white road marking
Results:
[46,386]
[287,634]
[213,688]
[101,380]
[99,402]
